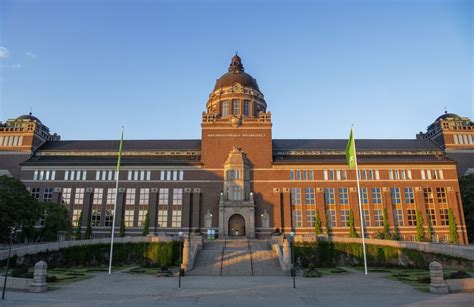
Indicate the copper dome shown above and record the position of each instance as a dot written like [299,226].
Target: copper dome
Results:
[236,74]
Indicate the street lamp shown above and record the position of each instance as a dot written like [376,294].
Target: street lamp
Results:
[12,234]
[293,271]
[180,234]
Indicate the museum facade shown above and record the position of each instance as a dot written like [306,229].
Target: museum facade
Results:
[240,181]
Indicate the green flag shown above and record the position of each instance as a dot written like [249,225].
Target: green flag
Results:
[350,152]
[120,152]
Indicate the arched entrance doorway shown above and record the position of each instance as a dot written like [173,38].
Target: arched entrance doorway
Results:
[236,225]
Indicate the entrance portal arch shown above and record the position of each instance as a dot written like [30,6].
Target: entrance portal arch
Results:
[236,225]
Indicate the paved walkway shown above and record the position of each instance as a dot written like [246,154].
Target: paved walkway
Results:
[353,289]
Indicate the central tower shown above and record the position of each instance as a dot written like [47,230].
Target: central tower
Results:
[236,139]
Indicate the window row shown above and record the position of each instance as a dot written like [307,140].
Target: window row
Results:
[235,107]
[366,174]
[302,174]
[108,175]
[463,139]
[11,140]
[44,175]
[171,175]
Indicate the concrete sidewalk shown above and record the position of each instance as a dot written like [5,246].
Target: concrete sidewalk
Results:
[353,289]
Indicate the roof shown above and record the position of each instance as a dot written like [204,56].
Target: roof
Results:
[29,117]
[128,145]
[448,115]
[361,144]
[236,74]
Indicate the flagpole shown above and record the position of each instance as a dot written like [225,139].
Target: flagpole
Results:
[360,206]
[117,176]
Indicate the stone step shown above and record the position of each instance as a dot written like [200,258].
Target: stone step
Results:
[236,263]
[208,263]
[265,263]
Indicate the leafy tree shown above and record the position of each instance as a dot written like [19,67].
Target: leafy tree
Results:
[56,219]
[78,228]
[317,223]
[146,224]
[420,232]
[122,229]
[453,231]
[386,226]
[17,207]
[352,230]
[466,185]
[88,234]
[430,232]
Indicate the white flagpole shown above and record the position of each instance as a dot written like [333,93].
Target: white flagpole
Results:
[360,206]
[117,176]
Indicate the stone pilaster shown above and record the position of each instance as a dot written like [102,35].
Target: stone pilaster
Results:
[196,209]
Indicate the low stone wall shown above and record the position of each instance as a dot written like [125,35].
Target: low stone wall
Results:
[38,248]
[461,251]
[461,285]
[439,285]
[16,283]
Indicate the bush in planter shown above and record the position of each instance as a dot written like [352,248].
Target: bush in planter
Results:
[458,275]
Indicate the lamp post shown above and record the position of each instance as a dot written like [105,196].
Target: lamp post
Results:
[180,234]
[12,233]
[293,271]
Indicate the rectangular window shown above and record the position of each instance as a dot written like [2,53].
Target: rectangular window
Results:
[246,107]
[343,196]
[344,218]
[292,175]
[130,196]
[309,196]
[109,217]
[162,216]
[235,107]
[431,216]
[35,175]
[376,196]
[35,192]
[329,198]
[95,218]
[378,217]
[144,196]
[181,175]
[332,217]
[364,195]
[444,217]
[177,196]
[298,174]
[411,217]
[98,194]
[398,217]
[48,195]
[296,215]
[366,215]
[128,217]
[177,208]
[225,108]
[428,196]
[141,217]
[110,196]
[163,197]
[76,214]
[396,196]
[168,175]
[310,215]
[176,217]
[409,195]
[311,174]
[79,196]
[441,195]
[162,175]
[295,196]
[66,196]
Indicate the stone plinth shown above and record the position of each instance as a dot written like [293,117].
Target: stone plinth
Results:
[438,285]
[39,278]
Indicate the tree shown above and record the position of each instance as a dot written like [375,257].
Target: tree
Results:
[122,229]
[386,226]
[328,225]
[78,228]
[17,208]
[146,224]
[56,219]
[352,230]
[317,223]
[466,185]
[420,232]
[453,228]
[430,231]
[88,234]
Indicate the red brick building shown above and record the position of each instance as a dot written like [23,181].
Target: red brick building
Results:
[238,180]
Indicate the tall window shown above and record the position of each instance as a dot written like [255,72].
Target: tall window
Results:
[163,207]
[225,107]
[329,197]
[396,195]
[431,215]
[109,217]
[246,107]
[110,196]
[444,217]
[309,196]
[344,218]
[409,196]
[144,196]
[130,197]
[398,217]
[177,207]
[35,192]
[76,214]
[366,215]
[79,196]
[98,194]
[66,196]
[378,217]
[428,196]
[441,196]
[295,196]
[364,195]
[343,196]
[236,107]
[376,196]
[411,217]
[310,215]
[296,215]
[129,207]
[48,195]
[331,215]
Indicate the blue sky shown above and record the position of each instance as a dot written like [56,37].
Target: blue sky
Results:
[88,67]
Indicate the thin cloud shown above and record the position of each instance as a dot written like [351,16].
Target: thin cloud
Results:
[31,55]
[3,53]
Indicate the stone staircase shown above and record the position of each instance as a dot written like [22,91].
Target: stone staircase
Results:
[236,257]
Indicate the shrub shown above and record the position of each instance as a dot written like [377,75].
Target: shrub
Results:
[317,223]
[420,233]
[352,230]
[453,232]
[458,275]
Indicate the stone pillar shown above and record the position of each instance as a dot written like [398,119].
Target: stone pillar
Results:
[186,211]
[277,218]
[286,204]
[186,253]
[287,254]
[39,278]
[438,285]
